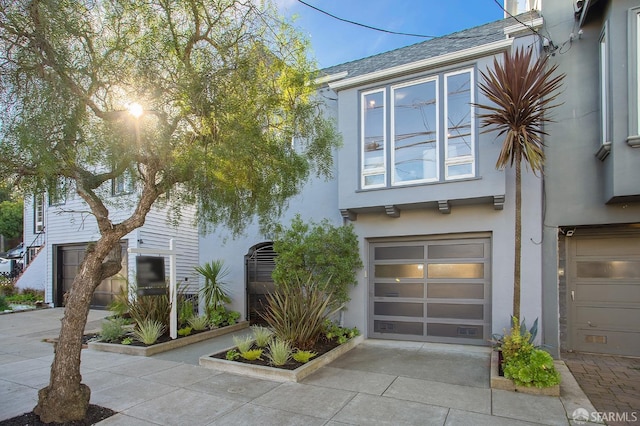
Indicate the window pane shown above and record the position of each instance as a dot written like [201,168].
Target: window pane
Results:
[398,309]
[455,291]
[373,129]
[609,269]
[398,327]
[455,330]
[458,115]
[445,251]
[415,132]
[415,290]
[455,310]
[372,180]
[459,170]
[402,252]
[400,271]
[455,270]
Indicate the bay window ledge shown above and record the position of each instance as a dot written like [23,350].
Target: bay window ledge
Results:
[633,141]
[603,151]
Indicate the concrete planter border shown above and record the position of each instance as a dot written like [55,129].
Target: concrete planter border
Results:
[502,383]
[166,346]
[278,374]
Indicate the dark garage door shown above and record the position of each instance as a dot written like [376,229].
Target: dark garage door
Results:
[604,293]
[433,291]
[69,259]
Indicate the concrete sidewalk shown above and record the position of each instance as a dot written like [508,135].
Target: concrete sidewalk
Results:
[378,382]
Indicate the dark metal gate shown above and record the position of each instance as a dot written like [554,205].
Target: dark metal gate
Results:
[258,266]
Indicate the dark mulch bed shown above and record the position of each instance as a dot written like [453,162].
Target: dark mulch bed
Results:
[95,414]
[323,346]
[89,337]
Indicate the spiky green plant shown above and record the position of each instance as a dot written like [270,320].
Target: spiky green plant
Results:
[262,335]
[198,323]
[154,308]
[148,331]
[303,356]
[251,354]
[520,91]
[113,329]
[279,352]
[213,292]
[243,343]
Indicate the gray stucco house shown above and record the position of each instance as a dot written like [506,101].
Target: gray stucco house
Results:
[417,179]
[591,233]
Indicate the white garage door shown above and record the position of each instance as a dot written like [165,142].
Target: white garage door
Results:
[604,294]
[432,291]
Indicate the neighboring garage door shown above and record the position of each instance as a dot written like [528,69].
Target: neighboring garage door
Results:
[69,259]
[604,294]
[432,291]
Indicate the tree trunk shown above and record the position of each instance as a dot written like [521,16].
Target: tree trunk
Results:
[66,398]
[517,237]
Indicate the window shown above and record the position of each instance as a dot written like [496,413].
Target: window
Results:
[634,77]
[604,87]
[431,136]
[122,184]
[58,195]
[38,213]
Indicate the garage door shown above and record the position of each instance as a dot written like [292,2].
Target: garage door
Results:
[69,259]
[432,291]
[604,294]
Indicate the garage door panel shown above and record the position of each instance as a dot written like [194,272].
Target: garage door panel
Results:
[608,269]
[455,310]
[608,317]
[411,290]
[464,331]
[407,328]
[399,309]
[602,247]
[604,292]
[613,342]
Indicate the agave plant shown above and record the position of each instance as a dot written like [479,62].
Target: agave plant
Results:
[521,91]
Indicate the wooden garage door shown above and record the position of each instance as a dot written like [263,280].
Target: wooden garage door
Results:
[433,291]
[604,294]
[69,259]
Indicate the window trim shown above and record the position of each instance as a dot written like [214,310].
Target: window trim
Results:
[38,225]
[127,184]
[364,173]
[634,73]
[393,88]
[605,105]
[465,159]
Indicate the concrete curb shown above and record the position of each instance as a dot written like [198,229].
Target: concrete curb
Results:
[277,374]
[166,346]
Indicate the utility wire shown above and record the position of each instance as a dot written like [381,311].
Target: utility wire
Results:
[379,29]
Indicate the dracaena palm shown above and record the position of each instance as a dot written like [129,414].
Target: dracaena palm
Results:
[520,90]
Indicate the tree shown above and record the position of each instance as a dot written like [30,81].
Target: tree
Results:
[11,213]
[222,90]
[521,91]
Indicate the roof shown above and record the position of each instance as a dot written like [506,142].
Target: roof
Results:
[465,39]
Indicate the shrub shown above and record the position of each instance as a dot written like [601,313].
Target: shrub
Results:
[184,331]
[297,310]
[333,330]
[185,310]
[262,335]
[148,331]
[303,356]
[252,354]
[7,286]
[232,355]
[243,343]
[151,308]
[279,352]
[328,253]
[4,306]
[534,368]
[198,323]
[221,317]
[213,292]
[113,329]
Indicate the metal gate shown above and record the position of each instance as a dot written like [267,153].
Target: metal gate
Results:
[258,266]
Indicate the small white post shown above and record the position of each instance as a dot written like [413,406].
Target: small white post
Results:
[173,296]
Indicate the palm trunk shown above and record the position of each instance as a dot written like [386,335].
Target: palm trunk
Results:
[518,237]
[67,399]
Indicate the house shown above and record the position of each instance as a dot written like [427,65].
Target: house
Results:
[591,232]
[57,230]
[417,179]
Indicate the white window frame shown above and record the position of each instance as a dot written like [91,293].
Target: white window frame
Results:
[393,132]
[634,75]
[380,170]
[468,159]
[38,213]
[127,184]
[603,54]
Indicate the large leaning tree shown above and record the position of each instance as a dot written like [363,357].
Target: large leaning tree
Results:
[521,90]
[225,118]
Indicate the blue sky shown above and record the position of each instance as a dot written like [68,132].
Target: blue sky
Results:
[335,42]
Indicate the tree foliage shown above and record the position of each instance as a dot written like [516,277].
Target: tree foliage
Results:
[229,124]
[521,90]
[329,254]
[11,213]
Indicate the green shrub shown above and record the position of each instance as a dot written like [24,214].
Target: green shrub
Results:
[184,331]
[328,253]
[127,341]
[297,310]
[221,317]
[303,356]
[213,292]
[262,335]
[279,352]
[232,355]
[185,310]
[7,286]
[150,308]
[4,306]
[243,343]
[148,331]
[333,330]
[252,354]
[198,323]
[534,368]
[516,343]
[113,329]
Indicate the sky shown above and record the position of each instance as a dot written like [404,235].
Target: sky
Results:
[335,42]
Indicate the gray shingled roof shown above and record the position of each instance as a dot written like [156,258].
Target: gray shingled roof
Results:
[461,40]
